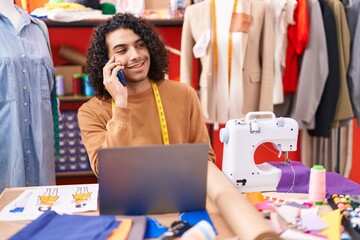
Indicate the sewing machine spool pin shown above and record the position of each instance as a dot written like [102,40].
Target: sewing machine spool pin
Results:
[241,137]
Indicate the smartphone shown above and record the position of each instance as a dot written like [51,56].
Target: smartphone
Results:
[120,75]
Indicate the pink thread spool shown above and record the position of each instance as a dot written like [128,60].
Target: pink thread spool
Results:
[317,184]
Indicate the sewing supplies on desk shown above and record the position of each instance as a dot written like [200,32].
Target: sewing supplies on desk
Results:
[200,231]
[296,223]
[317,184]
[176,229]
[242,136]
[194,224]
[295,218]
[349,208]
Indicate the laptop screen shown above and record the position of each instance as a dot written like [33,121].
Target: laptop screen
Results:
[152,179]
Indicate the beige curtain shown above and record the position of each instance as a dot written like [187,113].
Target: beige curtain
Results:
[326,151]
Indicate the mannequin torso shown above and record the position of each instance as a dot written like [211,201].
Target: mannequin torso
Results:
[26,77]
[230,71]
[254,60]
[7,8]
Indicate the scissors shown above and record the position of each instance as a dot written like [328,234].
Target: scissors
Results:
[175,230]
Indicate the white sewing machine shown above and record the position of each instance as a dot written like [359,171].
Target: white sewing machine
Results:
[242,136]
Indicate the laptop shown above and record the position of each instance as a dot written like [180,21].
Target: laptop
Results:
[152,179]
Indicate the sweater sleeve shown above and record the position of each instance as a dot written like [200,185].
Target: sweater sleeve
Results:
[99,132]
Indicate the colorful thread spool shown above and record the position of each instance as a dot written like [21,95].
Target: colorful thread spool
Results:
[317,184]
[88,89]
[60,87]
[200,231]
[77,84]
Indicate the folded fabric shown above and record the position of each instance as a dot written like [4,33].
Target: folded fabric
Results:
[122,231]
[298,183]
[335,183]
[295,178]
[154,229]
[51,225]
[62,15]
[138,227]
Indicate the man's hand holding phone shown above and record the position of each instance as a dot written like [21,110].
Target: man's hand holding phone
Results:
[120,74]
[113,75]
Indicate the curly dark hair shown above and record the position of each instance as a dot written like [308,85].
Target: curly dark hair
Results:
[98,51]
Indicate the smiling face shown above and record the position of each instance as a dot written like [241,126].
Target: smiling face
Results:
[129,49]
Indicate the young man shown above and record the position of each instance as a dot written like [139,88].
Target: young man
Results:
[149,110]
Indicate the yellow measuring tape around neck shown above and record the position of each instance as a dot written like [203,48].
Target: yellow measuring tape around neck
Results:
[161,114]
[215,47]
[162,119]
[215,50]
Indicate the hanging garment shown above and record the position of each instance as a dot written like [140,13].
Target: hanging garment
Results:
[326,110]
[314,70]
[257,71]
[298,35]
[352,11]
[283,15]
[343,107]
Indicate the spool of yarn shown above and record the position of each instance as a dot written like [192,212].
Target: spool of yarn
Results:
[317,184]
[200,231]
[60,87]
[77,84]
[87,88]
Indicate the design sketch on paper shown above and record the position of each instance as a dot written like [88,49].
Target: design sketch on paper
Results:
[19,205]
[81,197]
[48,199]
[67,199]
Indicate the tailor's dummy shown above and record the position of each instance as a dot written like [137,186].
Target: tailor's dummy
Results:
[26,75]
[234,41]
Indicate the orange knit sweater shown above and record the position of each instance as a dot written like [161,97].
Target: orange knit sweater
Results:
[139,124]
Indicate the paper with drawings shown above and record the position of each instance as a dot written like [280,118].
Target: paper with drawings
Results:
[62,199]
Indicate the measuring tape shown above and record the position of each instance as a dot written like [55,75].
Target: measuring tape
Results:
[215,40]
[162,119]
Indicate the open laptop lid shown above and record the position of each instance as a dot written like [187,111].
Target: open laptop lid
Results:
[152,179]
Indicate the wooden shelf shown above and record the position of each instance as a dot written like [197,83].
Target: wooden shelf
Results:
[75,177]
[94,23]
[72,98]
[72,103]
[88,173]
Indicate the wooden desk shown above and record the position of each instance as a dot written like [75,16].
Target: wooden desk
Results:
[233,215]
[7,229]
